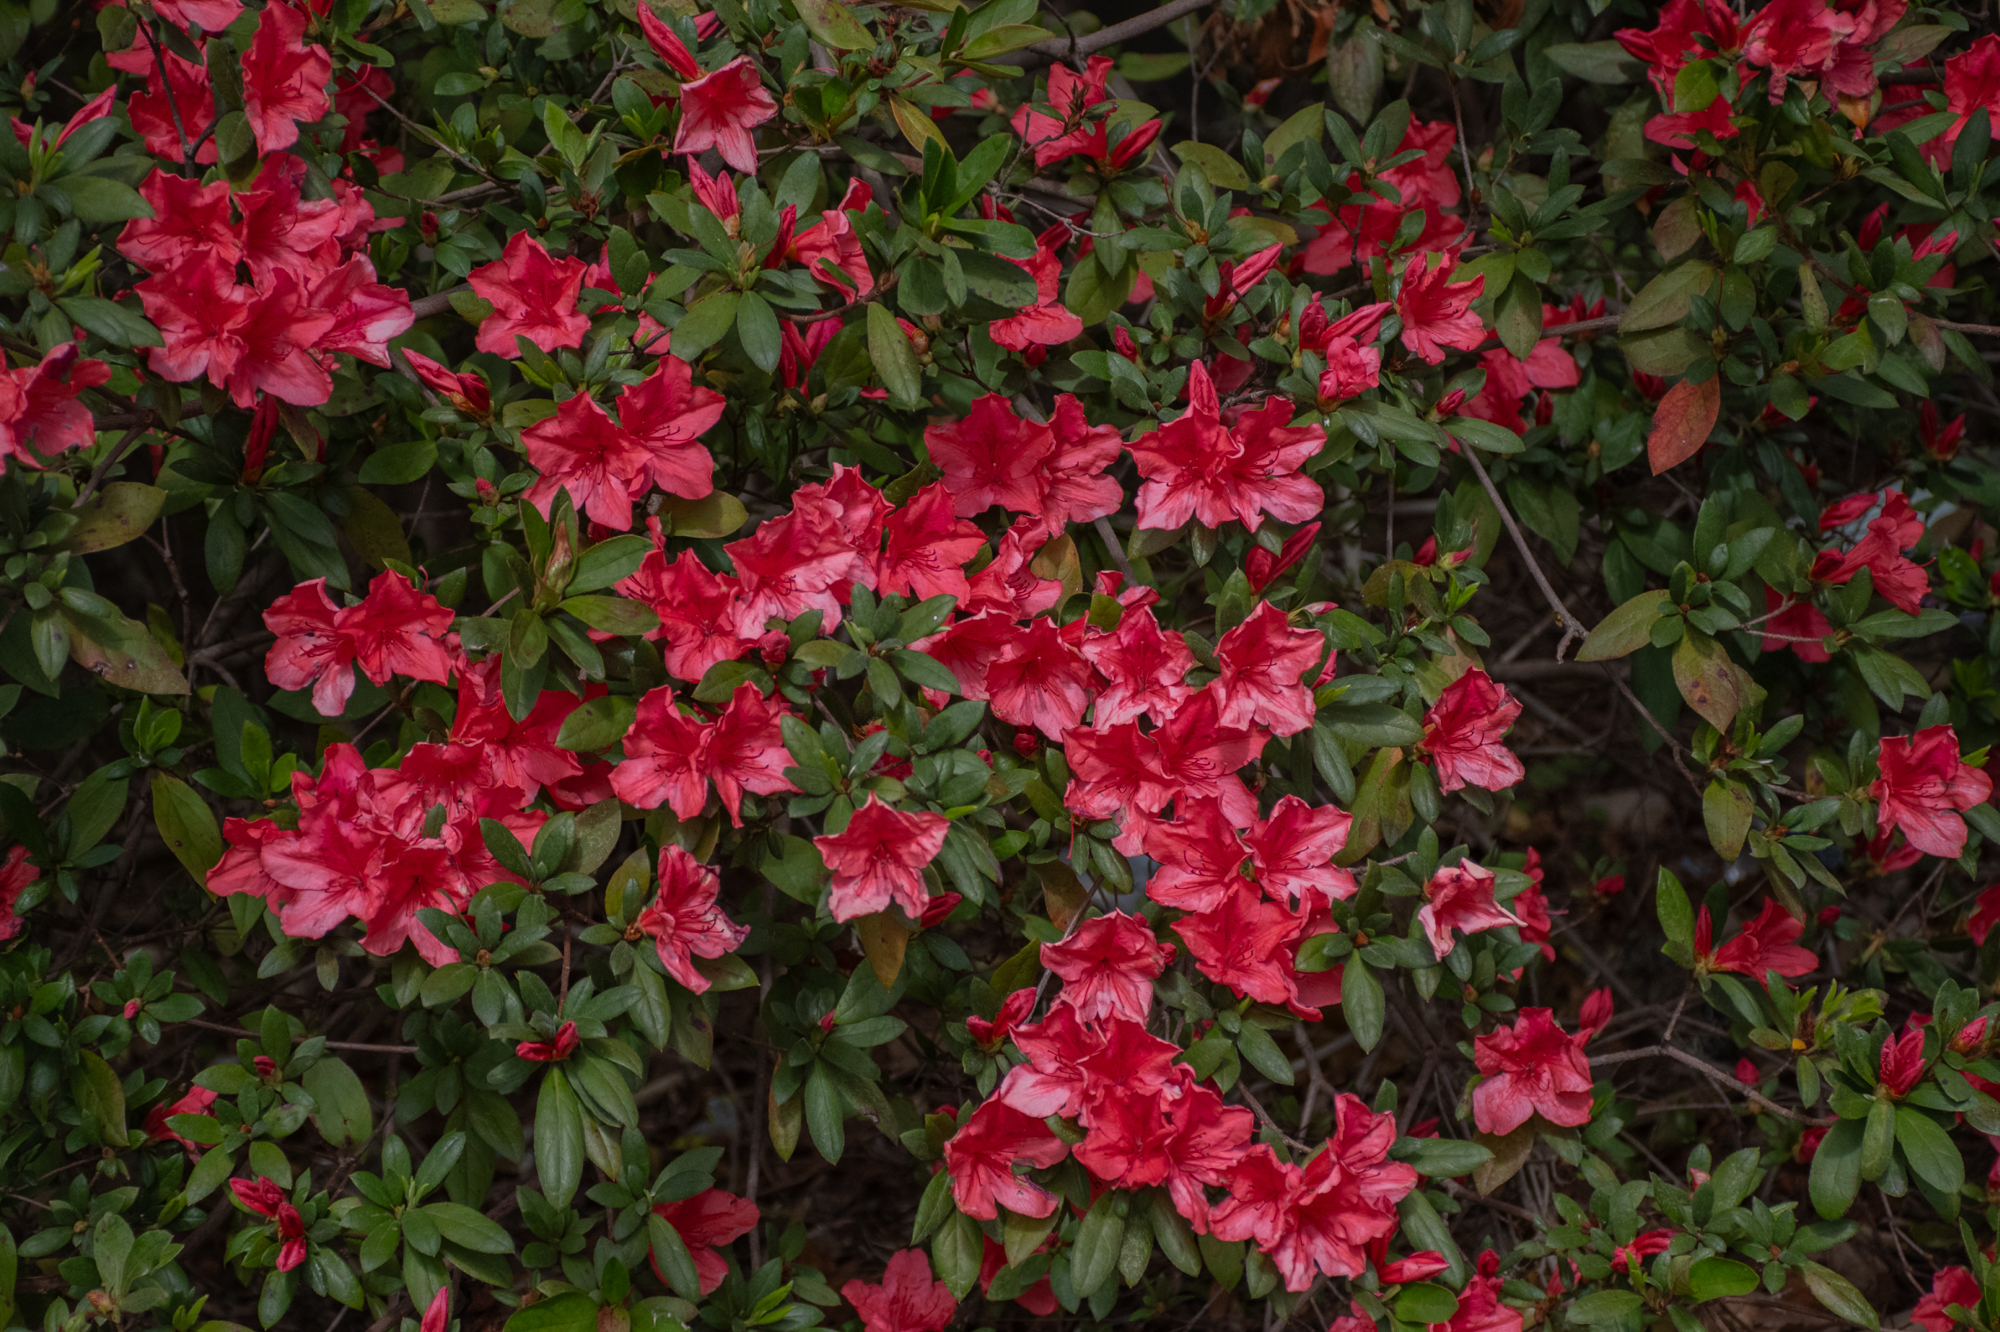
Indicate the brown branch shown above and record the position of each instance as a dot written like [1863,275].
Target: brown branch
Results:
[103,470]
[1057,48]
[358,1046]
[437,302]
[1571,626]
[1713,1074]
[1984,330]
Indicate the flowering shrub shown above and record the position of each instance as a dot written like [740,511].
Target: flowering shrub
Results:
[797,665]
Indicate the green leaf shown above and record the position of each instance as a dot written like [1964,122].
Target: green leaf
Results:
[619,616]
[1836,1170]
[114,323]
[895,361]
[1932,1155]
[1604,1306]
[558,1138]
[187,824]
[399,464]
[1484,435]
[1222,170]
[1839,1296]
[100,1095]
[705,324]
[1425,1303]
[469,1229]
[835,25]
[1444,1158]
[670,1254]
[94,200]
[1001,39]
[716,514]
[1362,1001]
[121,652]
[757,328]
[1371,724]
[1094,1260]
[1626,629]
[571,1312]
[1665,299]
[341,1110]
[597,723]
[1714,1278]
[1725,811]
[607,562]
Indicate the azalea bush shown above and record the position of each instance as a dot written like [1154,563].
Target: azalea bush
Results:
[811,664]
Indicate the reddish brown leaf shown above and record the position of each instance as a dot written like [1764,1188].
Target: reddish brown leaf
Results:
[1682,421]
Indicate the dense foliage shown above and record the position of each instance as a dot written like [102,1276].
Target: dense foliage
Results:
[800,665]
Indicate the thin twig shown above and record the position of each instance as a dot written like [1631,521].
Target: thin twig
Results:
[1712,1073]
[103,470]
[359,1046]
[1572,627]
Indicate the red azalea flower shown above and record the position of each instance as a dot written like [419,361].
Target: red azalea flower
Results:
[685,921]
[1417,1267]
[265,1198]
[1291,852]
[1437,312]
[467,392]
[1897,528]
[39,411]
[1923,786]
[533,296]
[705,1223]
[1144,667]
[549,1052]
[284,80]
[927,547]
[188,218]
[1261,567]
[1462,733]
[1048,322]
[1107,965]
[1629,1256]
[1320,1218]
[1039,680]
[1262,661]
[908,1300]
[989,457]
[1534,1067]
[1198,468]
[879,858]
[1950,1286]
[196,1101]
[1461,896]
[1796,619]
[1180,1135]
[1014,1009]
[719,109]
[980,1159]
[437,1314]
[696,608]
[395,630]
[1902,1063]
[1244,943]
[1766,944]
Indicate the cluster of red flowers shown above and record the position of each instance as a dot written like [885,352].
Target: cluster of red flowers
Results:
[312,292]
[1148,1121]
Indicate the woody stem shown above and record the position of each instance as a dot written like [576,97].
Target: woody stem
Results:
[1713,1074]
[1572,627]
